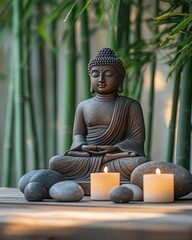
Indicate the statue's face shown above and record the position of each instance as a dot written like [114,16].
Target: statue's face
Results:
[104,79]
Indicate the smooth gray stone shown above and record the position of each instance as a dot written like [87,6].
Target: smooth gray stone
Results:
[34,191]
[47,178]
[66,191]
[137,191]
[182,177]
[24,180]
[120,194]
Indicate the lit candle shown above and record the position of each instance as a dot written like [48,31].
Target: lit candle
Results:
[102,183]
[158,187]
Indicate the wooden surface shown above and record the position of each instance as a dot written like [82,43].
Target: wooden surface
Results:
[93,220]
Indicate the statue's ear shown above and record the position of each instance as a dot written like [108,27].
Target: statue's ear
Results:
[120,88]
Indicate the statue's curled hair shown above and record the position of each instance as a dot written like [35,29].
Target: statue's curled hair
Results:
[105,57]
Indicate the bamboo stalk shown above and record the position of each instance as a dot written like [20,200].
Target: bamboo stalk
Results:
[119,22]
[172,125]
[139,19]
[139,86]
[43,127]
[30,118]
[123,34]
[126,39]
[84,51]
[19,92]
[112,36]
[7,162]
[53,94]
[43,104]
[69,83]
[184,123]
[135,85]
[150,110]
[119,26]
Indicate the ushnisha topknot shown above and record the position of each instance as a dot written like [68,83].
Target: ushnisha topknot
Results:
[104,57]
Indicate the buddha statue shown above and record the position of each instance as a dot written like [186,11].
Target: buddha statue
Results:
[108,128]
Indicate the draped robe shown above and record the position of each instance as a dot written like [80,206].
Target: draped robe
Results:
[125,131]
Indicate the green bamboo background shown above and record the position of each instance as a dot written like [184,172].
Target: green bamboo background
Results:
[40,107]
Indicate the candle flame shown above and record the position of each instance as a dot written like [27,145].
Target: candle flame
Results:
[158,171]
[105,169]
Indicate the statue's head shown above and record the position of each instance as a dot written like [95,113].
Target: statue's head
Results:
[106,57]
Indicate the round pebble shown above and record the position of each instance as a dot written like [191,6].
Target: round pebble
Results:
[120,194]
[137,191]
[34,191]
[47,178]
[24,180]
[66,191]
[182,177]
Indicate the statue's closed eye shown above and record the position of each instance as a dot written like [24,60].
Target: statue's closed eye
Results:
[108,74]
[105,74]
[95,73]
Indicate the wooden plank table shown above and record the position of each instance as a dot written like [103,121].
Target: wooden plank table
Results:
[93,220]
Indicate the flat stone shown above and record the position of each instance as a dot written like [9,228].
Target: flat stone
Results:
[120,194]
[47,178]
[66,191]
[137,191]
[182,177]
[34,191]
[24,180]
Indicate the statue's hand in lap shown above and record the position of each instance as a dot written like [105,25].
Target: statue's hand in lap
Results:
[98,150]
[78,154]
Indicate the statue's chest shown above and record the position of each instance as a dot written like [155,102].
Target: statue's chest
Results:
[99,114]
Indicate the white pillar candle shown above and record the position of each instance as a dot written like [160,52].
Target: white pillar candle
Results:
[158,187]
[102,183]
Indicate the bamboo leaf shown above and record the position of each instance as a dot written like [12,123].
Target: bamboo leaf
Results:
[180,26]
[178,62]
[168,14]
[47,20]
[27,9]
[177,29]
[186,46]
[65,19]
[85,7]
[99,10]
[45,37]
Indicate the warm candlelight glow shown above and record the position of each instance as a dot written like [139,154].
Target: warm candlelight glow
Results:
[102,183]
[158,171]
[158,187]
